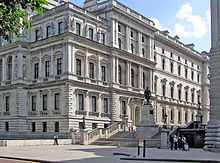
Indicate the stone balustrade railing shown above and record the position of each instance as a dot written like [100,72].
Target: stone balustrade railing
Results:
[94,135]
[111,130]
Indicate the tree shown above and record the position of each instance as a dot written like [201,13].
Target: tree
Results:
[14,15]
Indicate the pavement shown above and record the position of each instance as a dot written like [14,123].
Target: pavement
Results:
[103,154]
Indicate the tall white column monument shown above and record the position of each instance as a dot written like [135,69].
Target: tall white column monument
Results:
[212,139]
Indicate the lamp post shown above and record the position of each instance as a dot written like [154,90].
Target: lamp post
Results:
[199,114]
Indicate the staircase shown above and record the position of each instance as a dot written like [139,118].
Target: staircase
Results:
[121,138]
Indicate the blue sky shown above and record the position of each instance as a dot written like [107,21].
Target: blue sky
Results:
[189,19]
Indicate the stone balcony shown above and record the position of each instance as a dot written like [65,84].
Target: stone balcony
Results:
[6,113]
[94,114]
[106,115]
[81,112]
[33,113]
[44,112]
[56,112]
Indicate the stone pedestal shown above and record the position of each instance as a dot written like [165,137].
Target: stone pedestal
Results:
[84,137]
[125,122]
[147,127]
[164,139]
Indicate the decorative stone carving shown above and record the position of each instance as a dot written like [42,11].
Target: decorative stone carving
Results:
[69,23]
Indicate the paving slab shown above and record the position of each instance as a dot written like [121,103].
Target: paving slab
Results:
[102,154]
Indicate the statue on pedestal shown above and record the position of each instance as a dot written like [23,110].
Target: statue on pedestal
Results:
[147,95]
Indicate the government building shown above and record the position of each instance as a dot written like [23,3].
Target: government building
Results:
[95,62]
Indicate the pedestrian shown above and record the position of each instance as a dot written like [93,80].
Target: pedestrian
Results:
[175,140]
[184,143]
[180,143]
[171,142]
[55,140]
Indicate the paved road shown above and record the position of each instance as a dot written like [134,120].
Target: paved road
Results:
[98,154]
[3,160]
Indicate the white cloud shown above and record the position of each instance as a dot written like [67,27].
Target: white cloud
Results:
[159,26]
[193,26]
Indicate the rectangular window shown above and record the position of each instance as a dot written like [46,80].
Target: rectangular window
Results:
[44,102]
[185,61]
[7,103]
[103,73]
[105,105]
[6,126]
[80,102]
[36,69]
[192,64]
[162,51]
[78,29]
[142,39]
[37,34]
[198,78]
[123,107]
[91,70]
[56,101]
[60,28]
[178,58]
[78,67]
[33,103]
[132,34]
[93,103]
[33,127]
[119,28]
[94,126]
[103,38]
[59,66]
[57,127]
[47,68]
[44,126]
[179,116]
[186,117]
[90,33]
[171,55]
[49,31]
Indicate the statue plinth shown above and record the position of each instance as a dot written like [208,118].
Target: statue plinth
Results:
[147,128]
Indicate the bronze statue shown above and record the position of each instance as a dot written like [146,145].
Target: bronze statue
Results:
[147,94]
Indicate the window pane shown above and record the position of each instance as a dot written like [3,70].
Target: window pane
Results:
[44,102]
[81,102]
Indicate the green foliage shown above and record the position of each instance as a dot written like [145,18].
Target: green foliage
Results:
[14,15]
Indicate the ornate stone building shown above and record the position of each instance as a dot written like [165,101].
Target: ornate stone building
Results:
[96,62]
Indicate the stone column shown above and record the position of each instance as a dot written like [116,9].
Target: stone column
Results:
[128,65]
[116,33]
[99,69]
[13,68]
[52,67]
[86,66]
[69,58]
[116,70]
[113,106]
[40,65]
[113,31]
[113,65]
[139,48]
[140,77]
[128,46]
[20,66]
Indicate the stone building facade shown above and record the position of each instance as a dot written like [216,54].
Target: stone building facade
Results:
[96,62]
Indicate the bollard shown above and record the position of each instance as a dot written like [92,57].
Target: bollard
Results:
[138,150]
[144,146]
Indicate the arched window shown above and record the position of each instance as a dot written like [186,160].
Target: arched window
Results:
[119,43]
[179,70]
[179,93]
[132,48]
[193,96]
[192,117]
[9,68]
[186,73]
[0,69]
[171,67]
[164,90]
[192,75]
[186,95]
[132,77]
[179,116]
[171,92]
[143,52]
[24,71]
[186,117]
[163,64]
[119,75]
[143,80]
[171,115]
